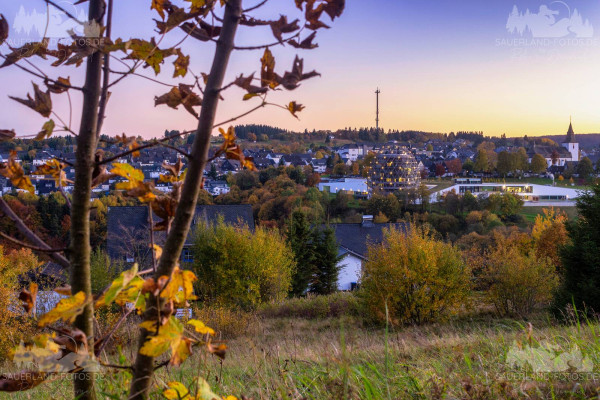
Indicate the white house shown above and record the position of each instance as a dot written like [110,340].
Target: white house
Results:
[353,241]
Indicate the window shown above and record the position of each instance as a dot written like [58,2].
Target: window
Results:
[186,255]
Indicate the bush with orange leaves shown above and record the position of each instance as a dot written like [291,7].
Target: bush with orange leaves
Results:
[550,234]
[13,327]
[418,277]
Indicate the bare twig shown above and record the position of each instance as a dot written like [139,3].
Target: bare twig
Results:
[107,337]
[31,236]
[168,146]
[68,14]
[29,246]
[259,5]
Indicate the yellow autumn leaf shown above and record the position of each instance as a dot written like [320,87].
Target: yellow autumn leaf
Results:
[117,286]
[14,171]
[128,172]
[157,251]
[180,288]
[204,391]
[169,337]
[200,327]
[46,131]
[177,391]
[67,310]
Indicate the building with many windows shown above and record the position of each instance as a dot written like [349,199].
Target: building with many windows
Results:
[394,168]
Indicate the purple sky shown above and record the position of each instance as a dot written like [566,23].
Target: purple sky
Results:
[441,66]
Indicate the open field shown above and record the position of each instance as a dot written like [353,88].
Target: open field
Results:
[340,358]
[529,213]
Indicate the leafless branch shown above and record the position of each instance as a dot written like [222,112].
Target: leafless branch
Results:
[259,5]
[183,153]
[68,14]
[42,76]
[29,246]
[31,236]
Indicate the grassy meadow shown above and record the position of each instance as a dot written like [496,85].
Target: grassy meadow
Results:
[296,353]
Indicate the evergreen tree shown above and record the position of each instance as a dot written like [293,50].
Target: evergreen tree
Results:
[326,261]
[299,236]
[581,257]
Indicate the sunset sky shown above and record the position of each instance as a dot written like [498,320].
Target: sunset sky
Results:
[441,66]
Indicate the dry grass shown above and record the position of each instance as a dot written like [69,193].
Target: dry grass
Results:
[340,358]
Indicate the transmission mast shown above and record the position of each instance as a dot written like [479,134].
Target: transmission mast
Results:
[377,110]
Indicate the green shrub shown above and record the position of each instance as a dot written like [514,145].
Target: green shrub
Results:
[239,268]
[517,279]
[418,278]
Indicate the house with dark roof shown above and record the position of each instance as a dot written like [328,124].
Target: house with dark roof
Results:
[128,229]
[353,243]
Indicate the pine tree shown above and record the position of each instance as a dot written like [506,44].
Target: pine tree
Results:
[299,237]
[581,257]
[326,262]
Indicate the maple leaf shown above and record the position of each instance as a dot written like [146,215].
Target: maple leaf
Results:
[131,174]
[246,84]
[219,349]
[282,26]
[14,171]
[3,29]
[180,287]
[202,31]
[42,102]
[28,297]
[117,286]
[180,95]
[267,70]
[67,310]
[130,142]
[334,8]
[306,43]
[159,6]
[200,327]
[148,52]
[46,131]
[173,172]
[55,169]
[294,107]
[61,85]
[169,337]
[291,79]
[177,391]
[132,294]
[6,135]
[135,185]
[27,50]
[62,53]
[181,64]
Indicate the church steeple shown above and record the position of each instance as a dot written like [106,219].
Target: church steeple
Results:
[570,134]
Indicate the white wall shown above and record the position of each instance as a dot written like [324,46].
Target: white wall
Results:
[350,271]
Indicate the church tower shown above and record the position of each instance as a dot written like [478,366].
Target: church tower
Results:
[570,144]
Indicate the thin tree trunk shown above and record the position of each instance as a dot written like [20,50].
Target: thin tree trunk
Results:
[144,365]
[80,211]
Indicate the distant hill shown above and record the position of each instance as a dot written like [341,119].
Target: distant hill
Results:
[585,140]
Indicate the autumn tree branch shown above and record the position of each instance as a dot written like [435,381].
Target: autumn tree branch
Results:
[143,368]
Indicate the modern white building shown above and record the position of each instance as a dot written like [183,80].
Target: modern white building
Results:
[529,192]
[356,186]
